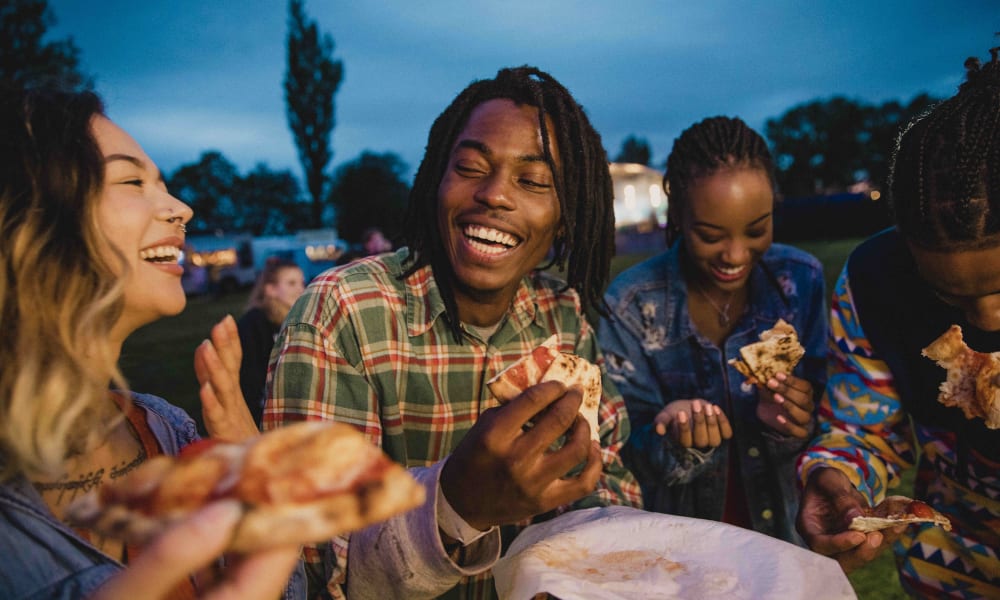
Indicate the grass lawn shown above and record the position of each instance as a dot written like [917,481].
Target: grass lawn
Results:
[158,359]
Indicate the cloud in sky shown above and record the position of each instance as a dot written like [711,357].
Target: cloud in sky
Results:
[188,76]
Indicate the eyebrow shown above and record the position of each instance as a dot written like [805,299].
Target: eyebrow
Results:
[484,149]
[750,224]
[131,159]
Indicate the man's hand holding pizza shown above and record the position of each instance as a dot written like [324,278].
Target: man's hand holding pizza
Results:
[693,423]
[504,472]
[786,405]
[829,503]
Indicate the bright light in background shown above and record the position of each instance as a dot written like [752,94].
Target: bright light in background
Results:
[630,197]
[654,196]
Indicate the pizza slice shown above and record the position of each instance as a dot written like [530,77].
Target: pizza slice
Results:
[547,363]
[897,510]
[969,384]
[303,483]
[778,351]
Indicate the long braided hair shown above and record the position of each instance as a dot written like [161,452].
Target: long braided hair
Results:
[945,178]
[583,185]
[704,148]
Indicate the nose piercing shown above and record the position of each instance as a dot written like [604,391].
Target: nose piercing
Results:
[184,228]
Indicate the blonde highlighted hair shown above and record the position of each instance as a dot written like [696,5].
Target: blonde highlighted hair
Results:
[273,308]
[59,295]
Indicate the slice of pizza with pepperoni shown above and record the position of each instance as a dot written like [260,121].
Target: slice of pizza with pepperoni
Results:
[304,483]
[897,510]
[547,363]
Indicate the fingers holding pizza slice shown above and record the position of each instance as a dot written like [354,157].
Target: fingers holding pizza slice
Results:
[898,510]
[547,363]
[303,483]
[970,382]
[778,351]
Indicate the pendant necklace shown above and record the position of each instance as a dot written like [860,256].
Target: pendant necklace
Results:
[724,319]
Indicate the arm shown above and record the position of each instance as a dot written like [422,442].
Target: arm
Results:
[312,365]
[864,436]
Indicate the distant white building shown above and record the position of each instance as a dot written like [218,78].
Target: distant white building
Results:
[639,198]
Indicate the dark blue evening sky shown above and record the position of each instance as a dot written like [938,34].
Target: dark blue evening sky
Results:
[186,76]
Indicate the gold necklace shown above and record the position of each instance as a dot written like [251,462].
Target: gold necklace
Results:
[724,319]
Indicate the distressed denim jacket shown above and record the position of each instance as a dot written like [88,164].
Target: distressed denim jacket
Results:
[655,356]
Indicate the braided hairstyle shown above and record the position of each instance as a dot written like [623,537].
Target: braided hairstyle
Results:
[705,148]
[945,178]
[583,185]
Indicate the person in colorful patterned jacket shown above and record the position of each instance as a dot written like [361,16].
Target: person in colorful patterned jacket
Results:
[898,292]
[401,345]
[705,443]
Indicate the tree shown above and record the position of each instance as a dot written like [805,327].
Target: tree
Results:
[635,150]
[267,202]
[370,192]
[28,61]
[311,81]
[207,186]
[827,145]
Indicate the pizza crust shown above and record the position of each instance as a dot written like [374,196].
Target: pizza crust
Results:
[898,510]
[303,483]
[547,363]
[778,351]
[969,383]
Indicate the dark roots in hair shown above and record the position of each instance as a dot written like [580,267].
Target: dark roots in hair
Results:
[583,184]
[945,179]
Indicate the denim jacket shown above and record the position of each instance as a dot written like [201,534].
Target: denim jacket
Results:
[654,356]
[45,559]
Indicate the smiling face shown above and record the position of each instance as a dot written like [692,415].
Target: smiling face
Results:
[969,280]
[142,221]
[288,285]
[726,225]
[498,211]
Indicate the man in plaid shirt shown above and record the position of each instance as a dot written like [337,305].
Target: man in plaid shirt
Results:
[401,345]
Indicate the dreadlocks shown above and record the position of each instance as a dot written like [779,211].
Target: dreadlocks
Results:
[583,184]
[705,148]
[945,180]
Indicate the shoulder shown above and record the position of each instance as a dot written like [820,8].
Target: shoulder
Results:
[366,282]
[654,273]
[171,424]
[783,255]
[552,292]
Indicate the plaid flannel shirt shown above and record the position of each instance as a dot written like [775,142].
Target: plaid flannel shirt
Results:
[363,346]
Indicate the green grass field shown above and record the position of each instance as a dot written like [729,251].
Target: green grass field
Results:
[158,359]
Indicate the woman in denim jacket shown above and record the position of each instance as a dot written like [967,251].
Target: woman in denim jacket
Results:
[704,442]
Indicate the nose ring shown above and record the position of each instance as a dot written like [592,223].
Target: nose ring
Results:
[184,228]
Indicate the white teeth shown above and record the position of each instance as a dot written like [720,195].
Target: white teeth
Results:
[730,270]
[160,253]
[487,248]
[488,234]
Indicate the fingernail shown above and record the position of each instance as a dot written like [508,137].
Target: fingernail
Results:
[772,383]
[696,407]
[778,398]
[682,417]
[780,376]
[781,419]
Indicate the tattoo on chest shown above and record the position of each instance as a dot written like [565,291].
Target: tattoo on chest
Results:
[69,489]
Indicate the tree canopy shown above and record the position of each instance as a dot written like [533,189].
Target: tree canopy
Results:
[26,58]
[635,150]
[311,81]
[828,145]
[370,192]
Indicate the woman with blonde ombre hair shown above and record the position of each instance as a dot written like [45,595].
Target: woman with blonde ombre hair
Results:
[89,242]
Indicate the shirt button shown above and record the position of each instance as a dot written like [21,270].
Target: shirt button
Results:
[753,452]
[767,513]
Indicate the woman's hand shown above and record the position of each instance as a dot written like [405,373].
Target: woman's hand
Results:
[194,544]
[786,405]
[693,423]
[217,366]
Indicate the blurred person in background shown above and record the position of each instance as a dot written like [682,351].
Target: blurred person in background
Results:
[705,443]
[89,246]
[278,286]
[898,292]
[373,241]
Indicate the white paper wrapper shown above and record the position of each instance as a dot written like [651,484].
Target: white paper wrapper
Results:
[620,553]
